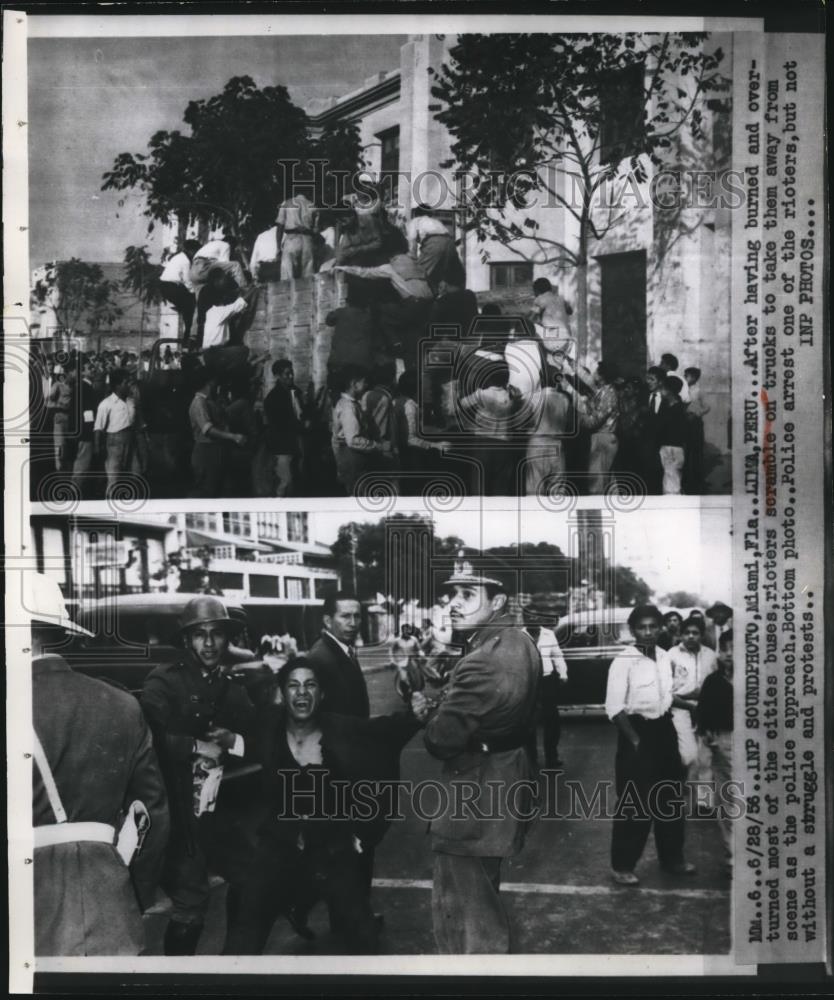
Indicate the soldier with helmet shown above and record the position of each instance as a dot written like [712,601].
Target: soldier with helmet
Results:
[479,731]
[199,717]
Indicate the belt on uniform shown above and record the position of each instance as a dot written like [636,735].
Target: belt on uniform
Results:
[298,232]
[497,744]
[71,833]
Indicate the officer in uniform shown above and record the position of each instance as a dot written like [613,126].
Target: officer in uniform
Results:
[93,762]
[199,717]
[479,731]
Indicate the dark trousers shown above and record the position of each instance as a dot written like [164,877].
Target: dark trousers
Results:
[548,715]
[648,795]
[207,461]
[468,916]
[282,878]
[182,300]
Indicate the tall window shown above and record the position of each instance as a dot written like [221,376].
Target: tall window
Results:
[296,588]
[621,109]
[510,275]
[269,526]
[200,522]
[297,529]
[237,524]
[389,163]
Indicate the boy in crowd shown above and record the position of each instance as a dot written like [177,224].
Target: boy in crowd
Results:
[693,383]
[669,365]
[715,725]
[549,312]
[671,434]
[353,446]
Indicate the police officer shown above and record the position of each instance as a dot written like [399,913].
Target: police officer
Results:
[199,717]
[93,760]
[479,731]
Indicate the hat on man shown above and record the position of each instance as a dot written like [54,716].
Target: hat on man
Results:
[46,606]
[206,610]
[719,610]
[481,571]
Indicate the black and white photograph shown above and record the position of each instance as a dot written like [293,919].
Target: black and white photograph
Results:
[417,446]
[279,266]
[361,679]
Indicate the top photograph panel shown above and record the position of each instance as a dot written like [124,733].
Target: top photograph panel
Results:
[333,265]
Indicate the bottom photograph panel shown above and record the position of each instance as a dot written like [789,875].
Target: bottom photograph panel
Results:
[302,733]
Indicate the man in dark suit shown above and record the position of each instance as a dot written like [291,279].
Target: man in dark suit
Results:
[83,408]
[479,731]
[312,841]
[282,413]
[334,654]
[93,759]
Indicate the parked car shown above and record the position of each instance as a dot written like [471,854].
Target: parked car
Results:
[590,640]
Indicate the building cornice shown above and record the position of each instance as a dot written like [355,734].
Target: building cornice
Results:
[360,102]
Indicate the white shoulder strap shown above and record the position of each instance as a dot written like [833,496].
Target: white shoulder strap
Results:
[49,781]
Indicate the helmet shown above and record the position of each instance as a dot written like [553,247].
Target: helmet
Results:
[203,610]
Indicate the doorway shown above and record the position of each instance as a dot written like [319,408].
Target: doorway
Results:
[623,309]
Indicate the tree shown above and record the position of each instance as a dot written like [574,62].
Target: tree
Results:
[234,167]
[79,291]
[682,599]
[362,554]
[142,280]
[567,119]
[629,588]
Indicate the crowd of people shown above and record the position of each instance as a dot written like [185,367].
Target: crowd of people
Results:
[157,765]
[422,382]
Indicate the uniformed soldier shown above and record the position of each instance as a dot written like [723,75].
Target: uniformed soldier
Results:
[198,716]
[479,731]
[94,762]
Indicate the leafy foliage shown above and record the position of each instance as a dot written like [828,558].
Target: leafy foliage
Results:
[83,293]
[141,276]
[235,165]
[561,116]
[546,569]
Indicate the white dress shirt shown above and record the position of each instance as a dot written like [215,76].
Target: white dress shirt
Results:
[265,250]
[553,659]
[216,329]
[115,414]
[690,670]
[215,250]
[178,271]
[639,685]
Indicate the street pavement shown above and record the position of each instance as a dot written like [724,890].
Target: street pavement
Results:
[557,891]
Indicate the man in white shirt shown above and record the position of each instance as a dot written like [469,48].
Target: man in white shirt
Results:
[215,254]
[175,284]
[648,766]
[353,447]
[692,662]
[434,247]
[216,331]
[554,677]
[297,222]
[113,427]
[265,251]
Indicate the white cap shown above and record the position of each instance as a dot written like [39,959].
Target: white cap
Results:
[45,603]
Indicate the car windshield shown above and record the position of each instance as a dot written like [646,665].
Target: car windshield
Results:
[583,635]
